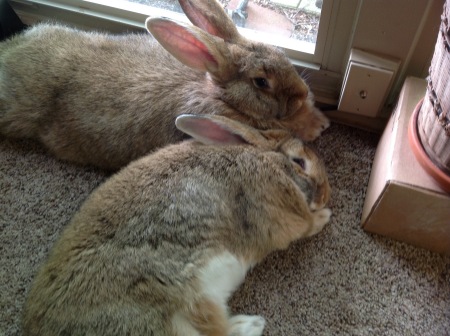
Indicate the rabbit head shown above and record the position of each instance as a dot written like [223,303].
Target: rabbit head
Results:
[307,165]
[256,80]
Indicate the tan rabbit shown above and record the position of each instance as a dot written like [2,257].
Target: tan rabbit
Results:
[159,248]
[106,100]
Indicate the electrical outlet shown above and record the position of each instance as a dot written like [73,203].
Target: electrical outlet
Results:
[367,81]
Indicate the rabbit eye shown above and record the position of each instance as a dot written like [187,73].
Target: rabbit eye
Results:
[261,83]
[301,162]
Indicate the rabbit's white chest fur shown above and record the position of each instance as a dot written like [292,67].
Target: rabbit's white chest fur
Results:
[221,276]
[218,279]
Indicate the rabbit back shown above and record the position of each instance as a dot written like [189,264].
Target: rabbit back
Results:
[90,97]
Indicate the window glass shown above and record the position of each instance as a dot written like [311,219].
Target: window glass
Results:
[287,19]
[304,29]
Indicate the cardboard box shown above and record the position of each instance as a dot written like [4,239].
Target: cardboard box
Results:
[402,201]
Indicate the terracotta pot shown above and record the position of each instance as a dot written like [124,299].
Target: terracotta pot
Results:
[434,128]
[422,157]
[432,118]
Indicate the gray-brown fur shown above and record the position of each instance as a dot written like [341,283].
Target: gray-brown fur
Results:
[130,258]
[105,100]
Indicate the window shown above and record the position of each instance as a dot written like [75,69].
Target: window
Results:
[298,26]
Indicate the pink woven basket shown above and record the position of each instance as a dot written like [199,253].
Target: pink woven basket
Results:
[434,116]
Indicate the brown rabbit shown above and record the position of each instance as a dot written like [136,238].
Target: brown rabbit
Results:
[106,100]
[159,247]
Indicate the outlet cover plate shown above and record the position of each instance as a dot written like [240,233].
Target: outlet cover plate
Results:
[365,89]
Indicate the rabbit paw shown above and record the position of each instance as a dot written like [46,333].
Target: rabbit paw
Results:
[245,325]
[317,124]
[308,125]
[321,217]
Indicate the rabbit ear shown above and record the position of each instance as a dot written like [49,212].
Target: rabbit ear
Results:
[211,17]
[218,130]
[182,44]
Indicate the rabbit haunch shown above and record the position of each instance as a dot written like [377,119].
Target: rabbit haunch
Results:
[106,100]
[159,248]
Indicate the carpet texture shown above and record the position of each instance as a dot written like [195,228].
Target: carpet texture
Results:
[343,281]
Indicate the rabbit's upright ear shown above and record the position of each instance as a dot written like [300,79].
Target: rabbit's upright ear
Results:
[210,16]
[218,130]
[190,45]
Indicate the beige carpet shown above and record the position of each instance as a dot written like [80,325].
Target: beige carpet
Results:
[341,282]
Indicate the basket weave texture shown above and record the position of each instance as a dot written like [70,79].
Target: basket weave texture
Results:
[434,117]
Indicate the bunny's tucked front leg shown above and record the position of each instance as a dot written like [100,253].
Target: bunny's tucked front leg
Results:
[314,125]
[247,325]
[308,124]
[321,217]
